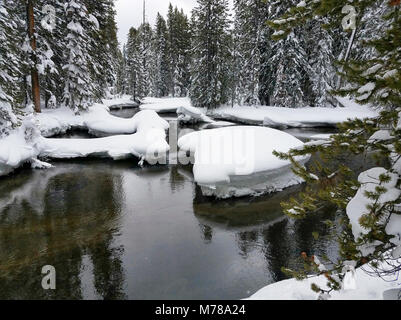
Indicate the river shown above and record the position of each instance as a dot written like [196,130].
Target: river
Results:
[114,230]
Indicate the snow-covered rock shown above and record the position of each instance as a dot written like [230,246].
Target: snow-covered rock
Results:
[239,161]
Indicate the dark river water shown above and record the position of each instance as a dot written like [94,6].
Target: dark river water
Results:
[113,230]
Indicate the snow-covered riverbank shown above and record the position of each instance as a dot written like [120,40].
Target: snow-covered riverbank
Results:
[143,136]
[364,287]
[278,117]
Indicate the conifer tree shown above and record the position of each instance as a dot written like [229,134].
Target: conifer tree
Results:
[162,61]
[79,90]
[372,202]
[211,54]
[248,23]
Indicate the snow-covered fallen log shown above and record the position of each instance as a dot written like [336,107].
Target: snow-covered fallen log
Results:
[239,161]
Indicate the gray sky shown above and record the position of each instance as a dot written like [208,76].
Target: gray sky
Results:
[130,13]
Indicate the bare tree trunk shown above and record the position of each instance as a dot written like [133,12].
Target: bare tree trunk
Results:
[34,71]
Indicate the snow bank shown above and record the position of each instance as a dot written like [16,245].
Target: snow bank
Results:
[20,147]
[97,120]
[123,102]
[279,117]
[239,161]
[164,105]
[145,139]
[149,139]
[358,206]
[367,288]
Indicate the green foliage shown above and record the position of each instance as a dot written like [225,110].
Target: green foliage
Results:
[330,182]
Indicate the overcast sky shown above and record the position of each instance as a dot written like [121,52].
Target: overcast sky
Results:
[130,13]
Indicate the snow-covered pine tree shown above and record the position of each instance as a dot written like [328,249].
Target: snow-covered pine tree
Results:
[210,85]
[248,25]
[178,51]
[162,61]
[7,71]
[372,202]
[134,66]
[182,73]
[51,32]
[290,60]
[79,90]
[145,38]
[104,46]
[321,58]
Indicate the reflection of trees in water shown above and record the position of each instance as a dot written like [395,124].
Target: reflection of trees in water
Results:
[206,232]
[80,215]
[260,226]
[246,241]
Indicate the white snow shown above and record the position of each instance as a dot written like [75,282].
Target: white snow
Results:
[192,114]
[145,137]
[239,161]
[164,105]
[357,207]
[279,117]
[149,139]
[17,148]
[366,288]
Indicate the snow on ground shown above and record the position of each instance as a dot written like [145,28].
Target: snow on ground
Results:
[279,117]
[239,161]
[366,288]
[164,105]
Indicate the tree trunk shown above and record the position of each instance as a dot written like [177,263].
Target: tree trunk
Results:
[34,71]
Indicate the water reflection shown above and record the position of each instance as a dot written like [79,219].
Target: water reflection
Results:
[114,230]
[56,217]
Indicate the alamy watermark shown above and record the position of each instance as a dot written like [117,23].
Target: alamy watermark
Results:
[349,21]
[235,147]
[49,280]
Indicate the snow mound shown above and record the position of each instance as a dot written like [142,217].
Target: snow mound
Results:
[111,125]
[164,105]
[148,142]
[239,161]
